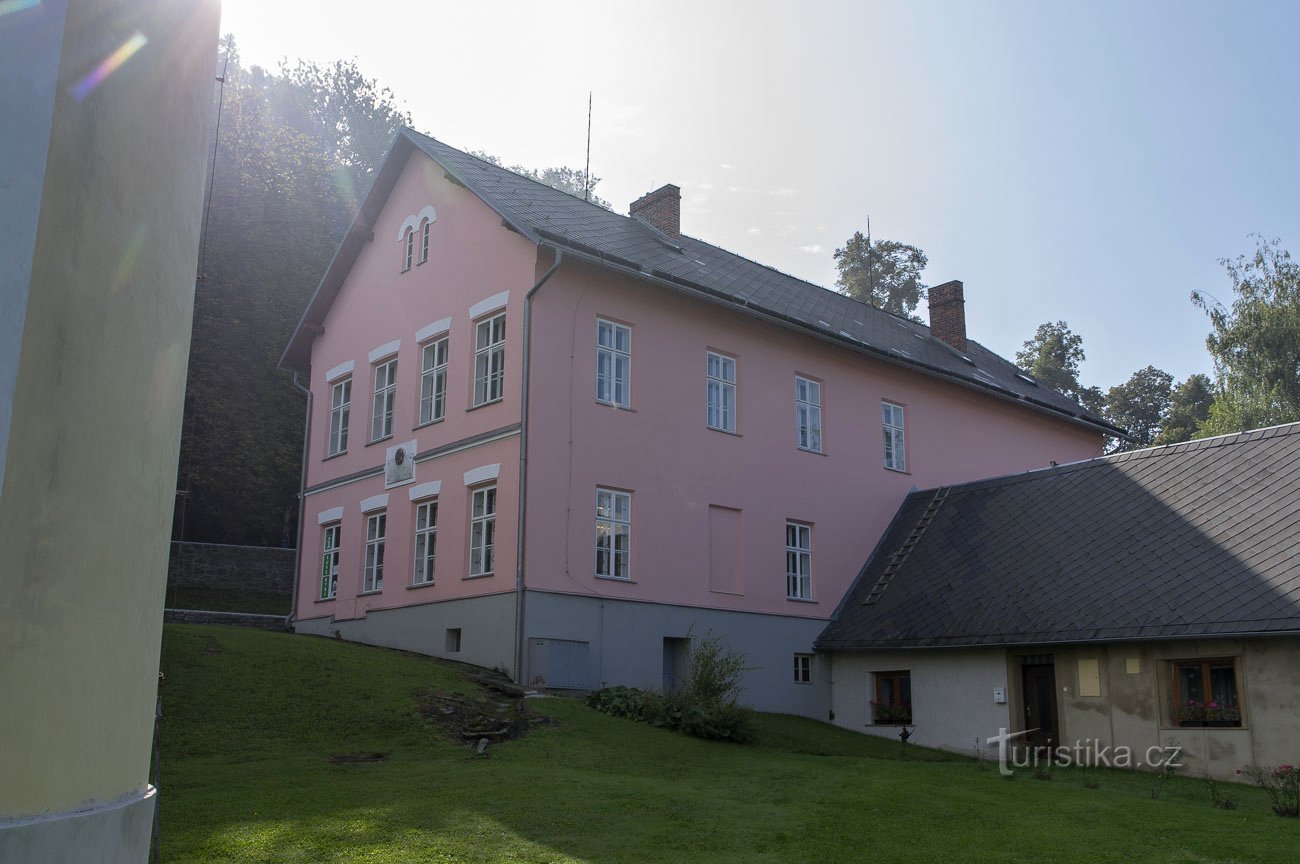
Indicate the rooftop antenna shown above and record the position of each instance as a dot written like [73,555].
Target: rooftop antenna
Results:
[871,288]
[586,174]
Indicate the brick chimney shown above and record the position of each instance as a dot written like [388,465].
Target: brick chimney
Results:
[948,314]
[661,208]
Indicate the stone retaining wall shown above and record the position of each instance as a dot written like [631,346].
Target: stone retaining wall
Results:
[237,619]
[231,568]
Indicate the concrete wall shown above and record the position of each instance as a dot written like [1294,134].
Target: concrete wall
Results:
[1135,708]
[90,464]
[486,624]
[626,645]
[952,694]
[231,568]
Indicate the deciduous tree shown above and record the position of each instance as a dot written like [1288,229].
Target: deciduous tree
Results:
[882,273]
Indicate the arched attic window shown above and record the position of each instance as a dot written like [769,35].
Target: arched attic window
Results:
[408,249]
[424,240]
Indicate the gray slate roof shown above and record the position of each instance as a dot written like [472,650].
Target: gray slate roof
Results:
[551,217]
[1196,539]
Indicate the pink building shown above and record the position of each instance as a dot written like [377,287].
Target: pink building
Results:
[551,438]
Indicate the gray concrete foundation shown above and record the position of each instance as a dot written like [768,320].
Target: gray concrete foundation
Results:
[116,833]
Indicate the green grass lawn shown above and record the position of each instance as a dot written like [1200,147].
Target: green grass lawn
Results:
[250,719]
[217,600]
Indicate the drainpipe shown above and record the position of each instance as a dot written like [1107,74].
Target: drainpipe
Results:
[302,501]
[523,468]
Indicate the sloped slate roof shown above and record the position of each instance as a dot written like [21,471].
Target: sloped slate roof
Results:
[551,217]
[1197,539]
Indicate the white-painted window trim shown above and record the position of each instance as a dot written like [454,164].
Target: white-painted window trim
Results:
[433,380]
[344,368]
[373,573]
[613,363]
[437,328]
[808,413]
[613,534]
[408,248]
[334,514]
[482,474]
[383,352]
[489,304]
[489,359]
[340,417]
[798,560]
[426,542]
[383,399]
[374,502]
[803,666]
[482,531]
[424,490]
[425,224]
[893,424]
[720,372]
[329,561]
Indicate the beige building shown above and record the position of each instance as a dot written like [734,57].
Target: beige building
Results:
[102,166]
[1116,608]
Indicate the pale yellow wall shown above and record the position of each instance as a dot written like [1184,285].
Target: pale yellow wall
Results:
[85,511]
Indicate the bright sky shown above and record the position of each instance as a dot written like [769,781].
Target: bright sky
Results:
[1079,161]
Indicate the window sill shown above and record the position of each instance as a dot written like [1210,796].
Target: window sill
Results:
[898,470]
[811,451]
[419,426]
[724,431]
[619,579]
[326,599]
[804,683]
[628,408]
[371,593]
[486,404]
[417,585]
[334,455]
[479,575]
[388,437]
[801,600]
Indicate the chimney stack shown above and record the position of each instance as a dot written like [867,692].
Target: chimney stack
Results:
[948,314]
[661,209]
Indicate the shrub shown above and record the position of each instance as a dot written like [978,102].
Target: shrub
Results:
[1282,785]
[708,705]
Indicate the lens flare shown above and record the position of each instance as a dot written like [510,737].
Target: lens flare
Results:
[7,6]
[109,65]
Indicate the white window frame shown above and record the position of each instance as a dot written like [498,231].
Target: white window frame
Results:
[613,522]
[489,360]
[433,380]
[808,413]
[340,416]
[613,363]
[426,542]
[372,579]
[798,560]
[803,666]
[424,241]
[383,400]
[331,535]
[408,248]
[893,422]
[720,402]
[482,530]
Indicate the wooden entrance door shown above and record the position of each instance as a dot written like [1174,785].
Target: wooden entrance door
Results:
[1039,695]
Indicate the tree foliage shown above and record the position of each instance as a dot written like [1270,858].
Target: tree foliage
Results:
[1189,408]
[1053,356]
[569,180]
[1140,405]
[1255,342]
[882,273]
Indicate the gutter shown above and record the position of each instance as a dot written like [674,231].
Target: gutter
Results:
[523,464]
[302,501]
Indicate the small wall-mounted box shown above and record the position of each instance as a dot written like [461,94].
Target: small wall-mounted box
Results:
[1000,695]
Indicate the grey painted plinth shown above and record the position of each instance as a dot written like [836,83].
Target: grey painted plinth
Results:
[117,833]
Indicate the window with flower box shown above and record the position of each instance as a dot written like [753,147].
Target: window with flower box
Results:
[1205,693]
[893,703]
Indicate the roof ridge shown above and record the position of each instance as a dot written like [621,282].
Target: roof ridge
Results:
[1227,439]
